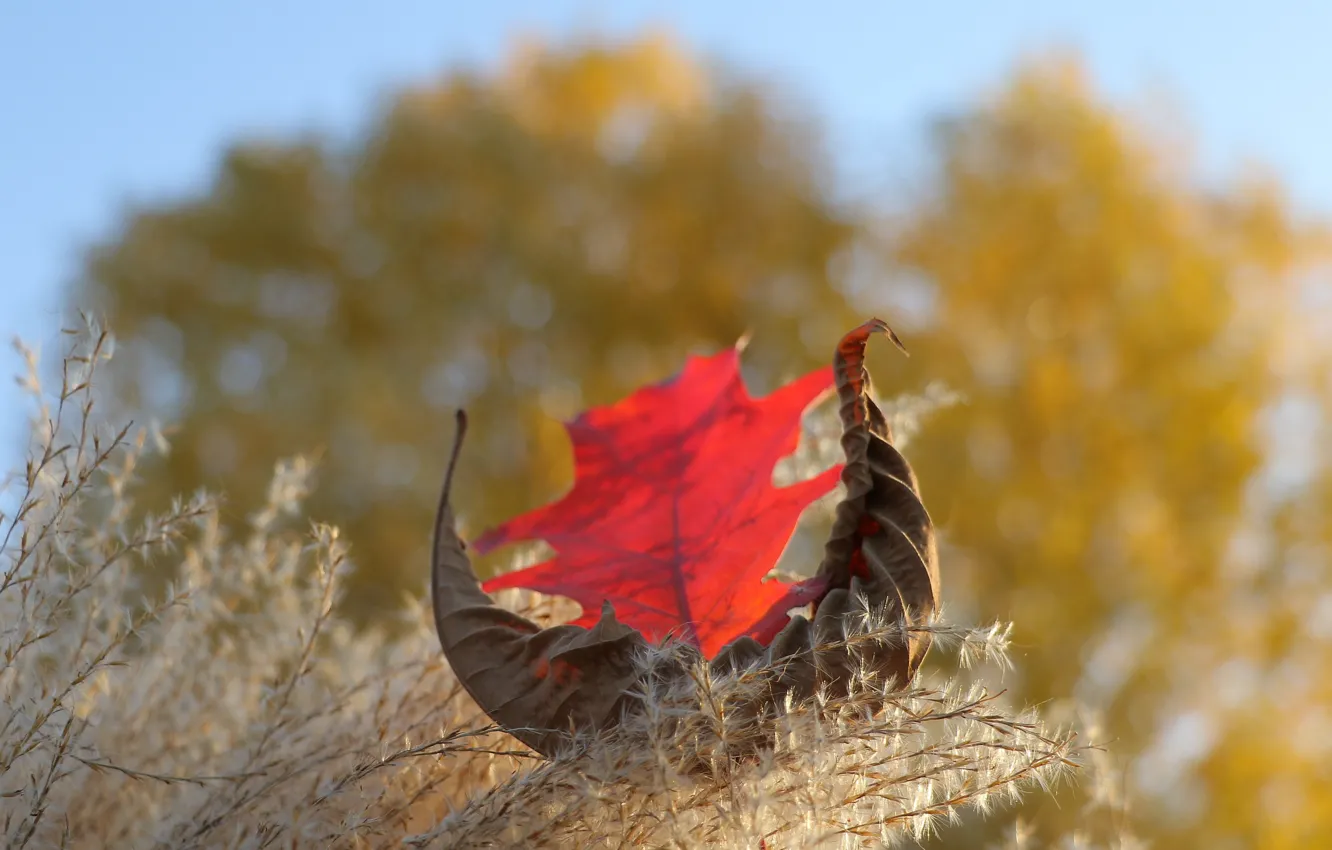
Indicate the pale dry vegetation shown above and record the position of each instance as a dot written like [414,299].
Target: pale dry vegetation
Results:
[235,709]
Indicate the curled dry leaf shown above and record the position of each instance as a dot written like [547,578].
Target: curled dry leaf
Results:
[536,683]
[694,456]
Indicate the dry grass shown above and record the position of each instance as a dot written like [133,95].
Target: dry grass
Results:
[236,710]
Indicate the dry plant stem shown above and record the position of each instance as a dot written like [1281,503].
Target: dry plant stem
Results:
[233,709]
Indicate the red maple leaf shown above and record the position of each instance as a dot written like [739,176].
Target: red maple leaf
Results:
[673,517]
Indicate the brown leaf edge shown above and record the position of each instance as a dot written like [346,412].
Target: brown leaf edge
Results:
[880,558]
[547,685]
[542,685]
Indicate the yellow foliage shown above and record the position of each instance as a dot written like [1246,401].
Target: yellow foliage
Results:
[548,238]
[1090,305]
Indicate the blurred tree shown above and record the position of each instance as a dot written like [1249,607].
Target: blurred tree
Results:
[525,244]
[1113,329]
[546,238]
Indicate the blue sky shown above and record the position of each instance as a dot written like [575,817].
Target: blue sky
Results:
[109,102]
